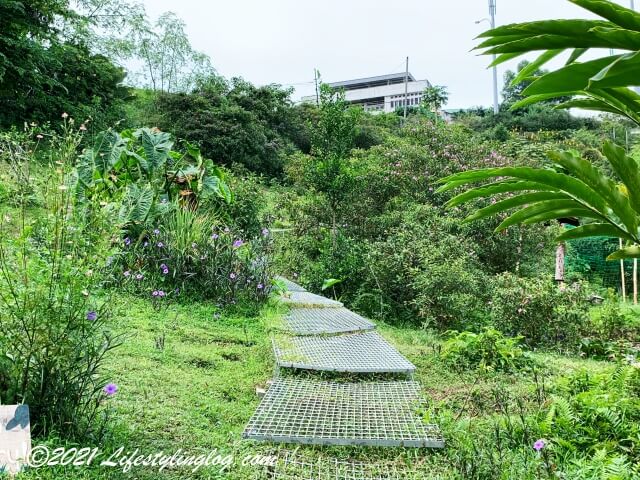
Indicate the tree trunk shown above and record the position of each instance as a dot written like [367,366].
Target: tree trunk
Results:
[560,253]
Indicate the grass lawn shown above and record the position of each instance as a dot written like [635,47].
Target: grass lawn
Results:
[198,392]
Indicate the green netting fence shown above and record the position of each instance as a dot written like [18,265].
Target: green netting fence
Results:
[587,258]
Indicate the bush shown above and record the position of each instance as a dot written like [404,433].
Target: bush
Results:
[189,255]
[597,414]
[543,313]
[489,350]
[52,322]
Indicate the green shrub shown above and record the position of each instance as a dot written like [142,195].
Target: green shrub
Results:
[597,415]
[53,337]
[543,313]
[189,255]
[487,351]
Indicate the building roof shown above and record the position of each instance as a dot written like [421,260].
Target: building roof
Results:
[389,79]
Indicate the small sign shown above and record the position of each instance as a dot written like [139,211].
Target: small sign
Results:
[15,437]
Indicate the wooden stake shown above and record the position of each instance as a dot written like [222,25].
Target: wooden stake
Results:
[635,281]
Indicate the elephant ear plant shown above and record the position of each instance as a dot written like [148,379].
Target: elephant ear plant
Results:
[609,206]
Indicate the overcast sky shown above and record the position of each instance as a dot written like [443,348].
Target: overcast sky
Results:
[282,41]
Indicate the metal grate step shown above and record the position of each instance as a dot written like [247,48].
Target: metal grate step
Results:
[291,286]
[309,300]
[317,412]
[316,321]
[357,352]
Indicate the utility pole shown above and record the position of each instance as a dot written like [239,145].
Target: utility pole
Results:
[406,87]
[492,16]
[315,77]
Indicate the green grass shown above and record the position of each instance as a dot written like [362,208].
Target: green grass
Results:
[198,392]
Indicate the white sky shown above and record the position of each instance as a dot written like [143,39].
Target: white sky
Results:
[282,41]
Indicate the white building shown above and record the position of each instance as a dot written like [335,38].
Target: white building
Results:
[384,93]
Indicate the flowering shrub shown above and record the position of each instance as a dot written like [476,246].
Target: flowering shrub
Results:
[189,256]
[53,338]
[542,312]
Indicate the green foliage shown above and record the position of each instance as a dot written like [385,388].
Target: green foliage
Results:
[138,173]
[235,123]
[540,311]
[598,414]
[53,336]
[188,255]
[487,351]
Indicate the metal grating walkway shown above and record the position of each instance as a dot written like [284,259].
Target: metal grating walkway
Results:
[326,321]
[309,300]
[291,286]
[297,467]
[296,410]
[365,352]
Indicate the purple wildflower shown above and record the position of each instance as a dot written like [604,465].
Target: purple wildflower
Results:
[260,286]
[265,232]
[165,271]
[156,232]
[215,236]
[238,244]
[155,293]
[163,266]
[160,244]
[127,241]
[539,445]
[161,293]
[92,316]
[232,276]
[127,273]
[110,389]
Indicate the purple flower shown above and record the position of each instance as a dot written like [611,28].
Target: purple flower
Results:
[260,286]
[163,266]
[539,445]
[146,244]
[215,236]
[238,244]
[127,241]
[265,232]
[110,389]
[92,316]
[156,232]
[165,271]
[127,273]
[155,293]
[160,244]
[161,293]
[232,276]
[139,276]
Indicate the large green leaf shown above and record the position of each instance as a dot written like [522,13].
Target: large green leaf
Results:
[599,182]
[593,230]
[627,169]
[573,187]
[507,186]
[615,13]
[629,252]
[157,146]
[590,104]
[569,28]
[569,79]
[544,211]
[531,68]
[622,72]
[513,202]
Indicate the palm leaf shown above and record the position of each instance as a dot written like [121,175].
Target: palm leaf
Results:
[623,254]
[517,201]
[593,230]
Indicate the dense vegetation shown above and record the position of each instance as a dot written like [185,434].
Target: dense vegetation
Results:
[144,216]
